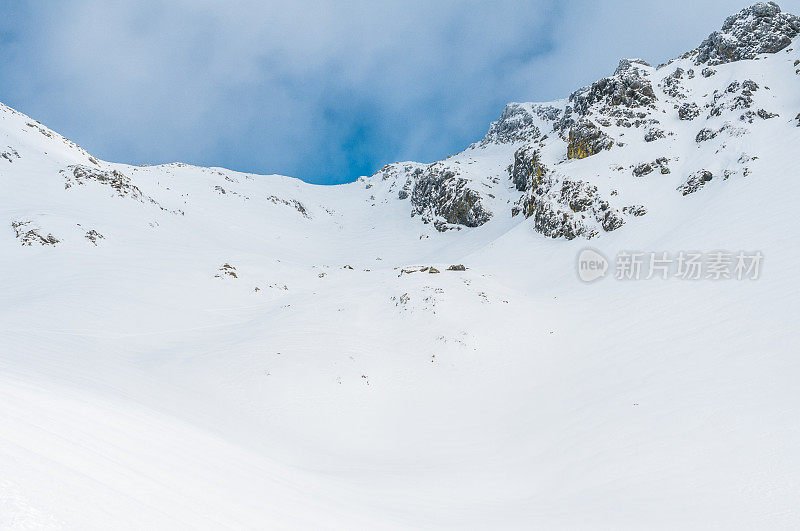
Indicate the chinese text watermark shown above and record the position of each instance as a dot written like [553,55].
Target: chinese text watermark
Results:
[684,265]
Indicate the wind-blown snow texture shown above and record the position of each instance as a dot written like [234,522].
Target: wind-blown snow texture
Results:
[186,347]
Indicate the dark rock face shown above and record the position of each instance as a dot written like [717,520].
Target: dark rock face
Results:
[647,168]
[688,111]
[708,72]
[758,29]
[527,170]
[672,85]
[749,116]
[552,219]
[797,119]
[10,155]
[93,236]
[586,139]
[437,194]
[736,96]
[559,208]
[628,64]
[628,88]
[440,193]
[695,181]
[654,134]
[634,210]
[704,134]
[516,123]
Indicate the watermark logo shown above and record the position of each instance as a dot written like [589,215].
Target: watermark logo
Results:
[591,265]
[683,265]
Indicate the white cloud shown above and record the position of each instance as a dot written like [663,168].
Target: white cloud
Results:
[320,89]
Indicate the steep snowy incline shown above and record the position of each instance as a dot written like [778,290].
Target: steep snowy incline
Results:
[185,347]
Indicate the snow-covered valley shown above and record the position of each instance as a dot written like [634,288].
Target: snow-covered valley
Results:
[186,347]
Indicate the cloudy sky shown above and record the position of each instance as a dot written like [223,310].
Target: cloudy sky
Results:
[321,90]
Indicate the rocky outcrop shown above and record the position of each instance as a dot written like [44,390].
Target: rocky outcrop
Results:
[758,29]
[10,155]
[647,168]
[28,234]
[560,208]
[517,123]
[695,181]
[586,139]
[627,88]
[736,96]
[654,134]
[569,209]
[441,197]
[528,169]
[688,111]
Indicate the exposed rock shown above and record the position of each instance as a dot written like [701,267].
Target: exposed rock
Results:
[688,111]
[643,169]
[28,234]
[527,169]
[708,72]
[648,167]
[634,210]
[226,270]
[586,139]
[797,119]
[628,88]
[79,175]
[433,270]
[628,64]
[114,179]
[568,209]
[736,96]
[695,181]
[516,123]
[704,134]
[672,85]
[93,236]
[439,192]
[294,203]
[457,267]
[10,155]
[749,116]
[758,29]
[653,134]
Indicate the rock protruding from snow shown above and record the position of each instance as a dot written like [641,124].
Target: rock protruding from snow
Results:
[629,87]
[528,169]
[517,123]
[695,181]
[441,197]
[560,208]
[586,139]
[28,234]
[761,28]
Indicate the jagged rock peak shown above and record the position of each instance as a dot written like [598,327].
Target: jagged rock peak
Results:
[626,64]
[517,123]
[760,28]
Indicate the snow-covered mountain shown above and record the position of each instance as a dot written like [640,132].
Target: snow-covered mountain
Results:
[186,347]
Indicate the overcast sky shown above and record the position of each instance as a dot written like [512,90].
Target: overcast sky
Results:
[325,91]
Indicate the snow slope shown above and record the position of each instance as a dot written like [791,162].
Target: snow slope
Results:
[242,351]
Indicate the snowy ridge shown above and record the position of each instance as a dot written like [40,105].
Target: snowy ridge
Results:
[187,347]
